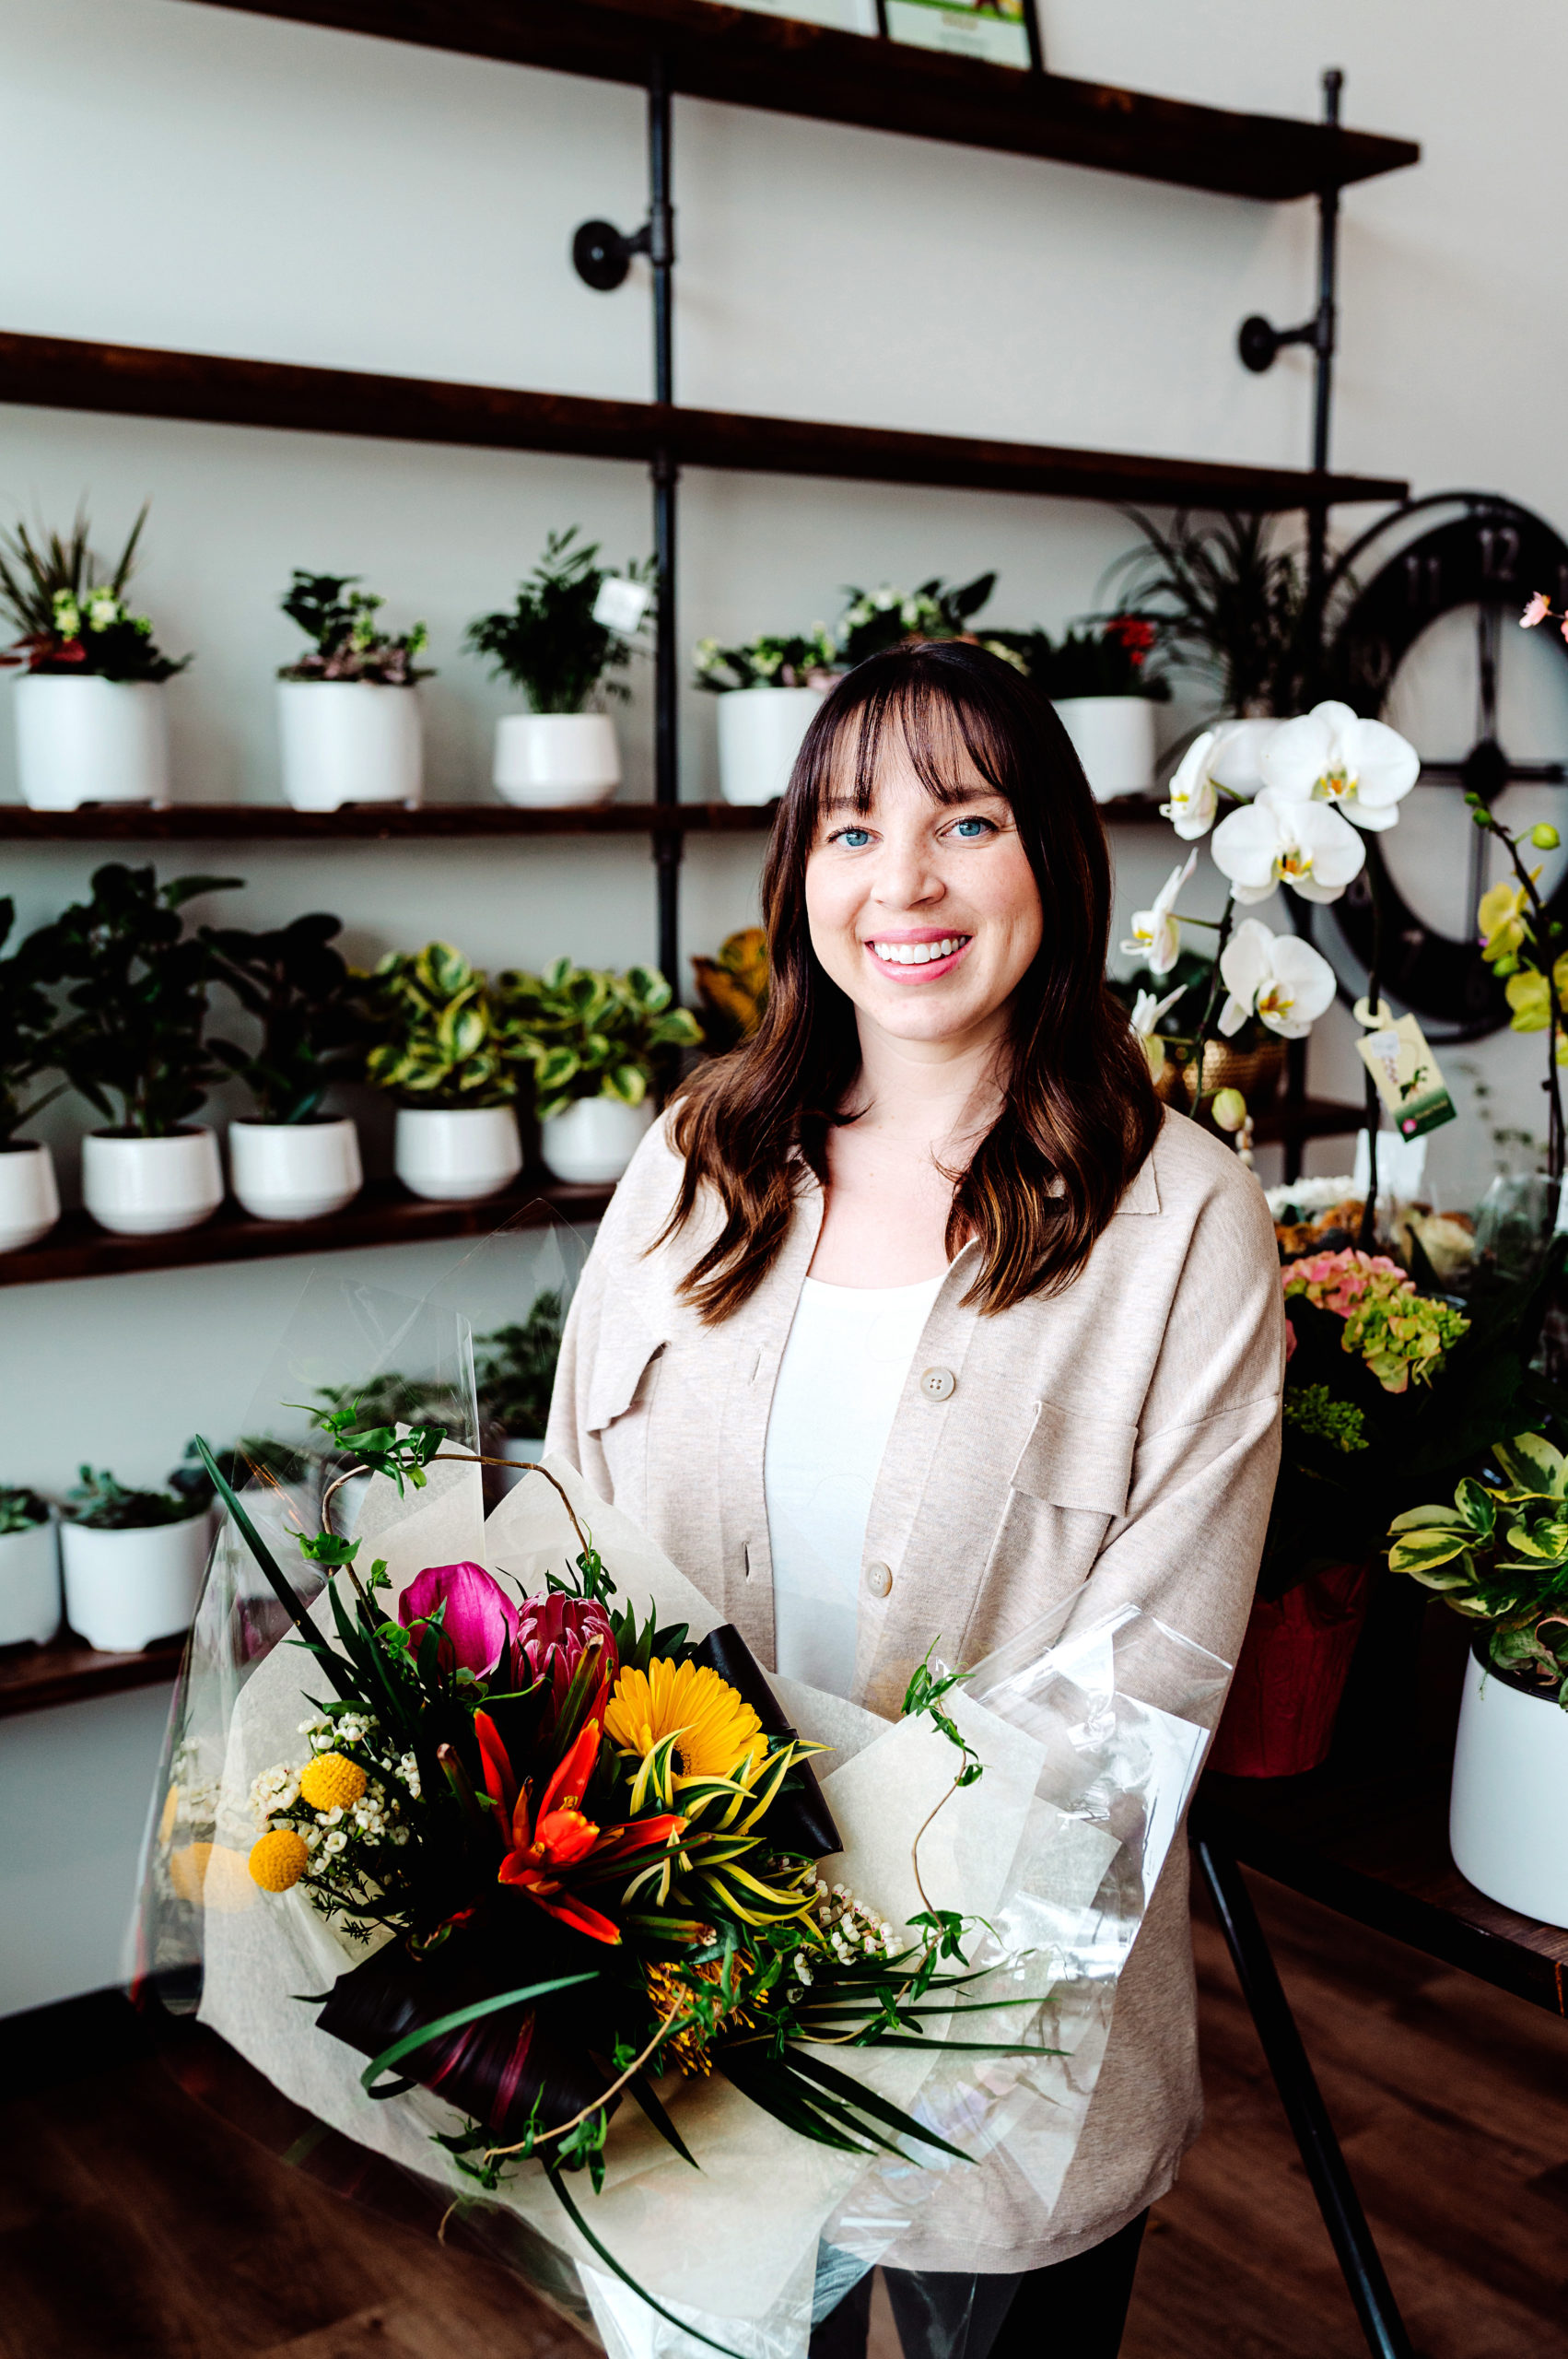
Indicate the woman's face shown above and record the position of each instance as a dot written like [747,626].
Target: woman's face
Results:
[926,913]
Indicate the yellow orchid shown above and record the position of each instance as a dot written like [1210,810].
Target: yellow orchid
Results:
[1530,1001]
[1500,916]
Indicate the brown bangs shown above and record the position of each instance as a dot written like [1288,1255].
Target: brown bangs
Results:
[1079,1113]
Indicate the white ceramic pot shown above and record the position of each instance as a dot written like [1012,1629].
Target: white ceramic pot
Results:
[1114,739]
[454,1154]
[81,741]
[759,735]
[1510,1790]
[557,760]
[295,1170]
[30,1585]
[29,1201]
[595,1139]
[124,1589]
[150,1187]
[349,741]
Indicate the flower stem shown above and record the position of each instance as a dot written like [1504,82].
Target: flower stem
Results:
[1556,1027]
[1373,1104]
[1193,1068]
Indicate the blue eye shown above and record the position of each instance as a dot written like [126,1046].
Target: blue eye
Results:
[853,838]
[970,829]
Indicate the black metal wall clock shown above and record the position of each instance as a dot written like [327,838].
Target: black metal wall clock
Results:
[1423,614]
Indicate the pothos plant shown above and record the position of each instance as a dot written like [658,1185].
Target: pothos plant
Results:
[556,641]
[588,1034]
[71,622]
[31,1034]
[441,1042]
[1499,1556]
[340,618]
[134,1048]
[309,1004]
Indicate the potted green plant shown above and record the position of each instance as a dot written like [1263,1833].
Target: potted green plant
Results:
[1230,602]
[132,1562]
[347,712]
[289,1160]
[442,1055]
[1105,690]
[29,1200]
[136,1050]
[91,720]
[30,1569]
[571,625]
[515,1370]
[885,618]
[768,690]
[595,1044]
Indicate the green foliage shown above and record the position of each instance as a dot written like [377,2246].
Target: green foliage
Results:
[20,1511]
[30,1031]
[766,663]
[516,1367]
[254,1457]
[309,1007]
[349,646]
[136,1050]
[875,619]
[1228,601]
[1314,1411]
[587,1034]
[1499,1556]
[101,1503]
[1112,660]
[924,1694]
[547,642]
[441,1040]
[70,621]
[400,1457]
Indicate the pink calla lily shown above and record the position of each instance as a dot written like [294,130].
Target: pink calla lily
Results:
[480,1620]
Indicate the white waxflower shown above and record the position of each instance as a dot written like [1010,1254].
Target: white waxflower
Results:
[1279,840]
[337,1841]
[1329,755]
[1276,977]
[1157,937]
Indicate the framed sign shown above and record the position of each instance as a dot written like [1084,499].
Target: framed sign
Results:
[998,32]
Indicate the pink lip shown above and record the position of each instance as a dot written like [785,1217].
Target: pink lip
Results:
[931,969]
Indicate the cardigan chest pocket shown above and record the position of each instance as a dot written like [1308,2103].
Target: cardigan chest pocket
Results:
[620,1393]
[1075,1459]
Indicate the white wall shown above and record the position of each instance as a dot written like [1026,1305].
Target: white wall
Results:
[181,176]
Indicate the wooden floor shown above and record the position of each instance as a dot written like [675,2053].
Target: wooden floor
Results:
[133,2225]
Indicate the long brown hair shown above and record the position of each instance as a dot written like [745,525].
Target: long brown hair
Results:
[1079,1113]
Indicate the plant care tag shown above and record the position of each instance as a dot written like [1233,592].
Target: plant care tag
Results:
[1408,1079]
[621,605]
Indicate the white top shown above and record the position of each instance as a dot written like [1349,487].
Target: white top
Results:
[838,1388]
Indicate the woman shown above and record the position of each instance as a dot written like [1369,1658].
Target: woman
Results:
[915,1319]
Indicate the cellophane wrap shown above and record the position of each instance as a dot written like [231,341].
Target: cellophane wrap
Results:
[1090,1737]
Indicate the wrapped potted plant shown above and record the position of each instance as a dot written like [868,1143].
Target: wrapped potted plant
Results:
[441,1053]
[135,1049]
[91,724]
[767,691]
[515,1370]
[30,1569]
[346,711]
[1104,689]
[1499,1556]
[29,1201]
[595,1044]
[571,625]
[289,1160]
[733,987]
[132,1562]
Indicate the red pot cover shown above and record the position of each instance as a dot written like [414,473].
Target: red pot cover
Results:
[1278,1717]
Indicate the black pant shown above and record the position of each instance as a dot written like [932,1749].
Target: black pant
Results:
[1074,2310]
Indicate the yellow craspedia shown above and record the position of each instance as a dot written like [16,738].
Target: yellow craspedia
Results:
[331,1783]
[278,1860]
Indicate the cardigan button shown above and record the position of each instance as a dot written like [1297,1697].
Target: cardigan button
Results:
[879,1579]
[938,1383]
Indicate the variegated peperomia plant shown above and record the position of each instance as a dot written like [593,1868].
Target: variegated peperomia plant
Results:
[1499,1556]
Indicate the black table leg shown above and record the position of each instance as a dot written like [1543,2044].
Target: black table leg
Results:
[1304,2108]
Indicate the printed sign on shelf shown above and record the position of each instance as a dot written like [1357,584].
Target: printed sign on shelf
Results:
[992,30]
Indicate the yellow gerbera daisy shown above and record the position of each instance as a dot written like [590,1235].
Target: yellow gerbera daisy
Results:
[718,1732]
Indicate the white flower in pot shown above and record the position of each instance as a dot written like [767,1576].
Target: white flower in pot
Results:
[442,1055]
[91,720]
[594,1043]
[133,1563]
[573,624]
[347,711]
[29,1201]
[30,1569]
[289,1160]
[131,1044]
[515,1371]
[769,693]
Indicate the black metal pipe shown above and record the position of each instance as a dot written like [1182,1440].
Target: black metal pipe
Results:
[1324,331]
[1308,2115]
[666,664]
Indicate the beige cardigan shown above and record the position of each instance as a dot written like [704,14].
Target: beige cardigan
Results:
[1116,1441]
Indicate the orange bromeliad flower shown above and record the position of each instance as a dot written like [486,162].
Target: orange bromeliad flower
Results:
[544,1850]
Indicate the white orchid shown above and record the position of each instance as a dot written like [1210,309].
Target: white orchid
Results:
[1276,977]
[1156,935]
[1225,757]
[1279,840]
[1146,1013]
[1329,755]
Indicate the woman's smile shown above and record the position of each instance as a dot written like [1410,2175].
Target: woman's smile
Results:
[917,954]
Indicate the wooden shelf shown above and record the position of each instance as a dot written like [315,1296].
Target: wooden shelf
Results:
[134,380]
[275,822]
[773,63]
[383,1214]
[1315,1118]
[68,1671]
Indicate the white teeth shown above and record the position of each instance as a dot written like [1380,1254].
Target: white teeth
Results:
[917,954]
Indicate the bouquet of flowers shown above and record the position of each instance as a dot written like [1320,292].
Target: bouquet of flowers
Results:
[551,1862]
